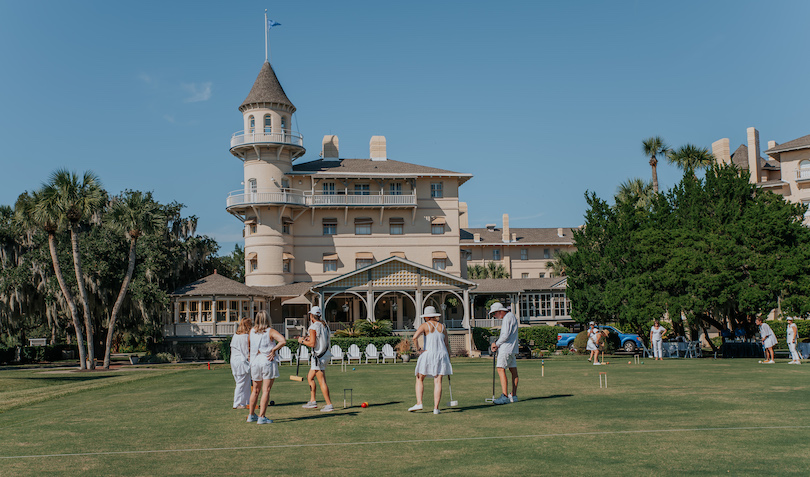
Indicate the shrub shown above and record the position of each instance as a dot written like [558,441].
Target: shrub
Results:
[157,358]
[7,354]
[779,328]
[544,337]
[404,346]
[225,349]
[581,341]
[481,338]
[376,328]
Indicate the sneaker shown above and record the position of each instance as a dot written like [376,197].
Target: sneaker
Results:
[513,398]
[327,408]
[436,411]
[252,418]
[416,407]
[501,400]
[770,362]
[241,406]
[264,420]
[310,405]
[597,363]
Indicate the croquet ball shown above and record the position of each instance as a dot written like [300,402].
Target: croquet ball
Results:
[365,404]
[628,362]
[760,362]
[354,369]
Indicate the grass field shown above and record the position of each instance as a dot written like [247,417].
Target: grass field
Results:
[707,417]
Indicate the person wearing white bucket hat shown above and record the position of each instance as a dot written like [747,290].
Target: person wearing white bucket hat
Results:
[434,360]
[768,338]
[792,339]
[318,339]
[506,346]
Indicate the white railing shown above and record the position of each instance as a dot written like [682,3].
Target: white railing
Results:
[454,323]
[319,199]
[802,174]
[285,136]
[338,325]
[486,322]
[200,329]
[265,196]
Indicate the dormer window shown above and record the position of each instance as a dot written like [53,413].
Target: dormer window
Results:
[252,124]
[268,124]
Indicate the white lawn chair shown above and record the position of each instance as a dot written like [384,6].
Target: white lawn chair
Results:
[303,354]
[284,354]
[353,353]
[645,352]
[388,352]
[371,352]
[337,354]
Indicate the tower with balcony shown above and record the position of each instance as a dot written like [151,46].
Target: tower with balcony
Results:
[267,146]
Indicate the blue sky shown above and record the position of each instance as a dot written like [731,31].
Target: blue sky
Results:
[540,101]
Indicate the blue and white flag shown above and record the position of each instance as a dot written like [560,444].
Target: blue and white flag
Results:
[271,24]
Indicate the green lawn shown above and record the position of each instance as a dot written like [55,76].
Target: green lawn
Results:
[678,416]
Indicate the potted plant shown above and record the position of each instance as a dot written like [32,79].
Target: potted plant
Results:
[404,349]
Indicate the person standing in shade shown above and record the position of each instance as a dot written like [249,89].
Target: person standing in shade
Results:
[434,359]
[792,341]
[657,334]
[318,340]
[240,363]
[593,342]
[506,346]
[264,344]
[768,338]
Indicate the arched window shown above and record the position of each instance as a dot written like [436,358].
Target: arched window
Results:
[805,164]
[252,123]
[268,124]
[252,185]
[804,170]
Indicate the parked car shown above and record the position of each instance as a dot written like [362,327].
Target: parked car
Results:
[629,341]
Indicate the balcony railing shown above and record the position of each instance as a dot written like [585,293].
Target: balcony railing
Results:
[340,200]
[265,196]
[286,136]
[802,174]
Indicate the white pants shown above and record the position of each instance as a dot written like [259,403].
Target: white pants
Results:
[794,355]
[658,347]
[241,395]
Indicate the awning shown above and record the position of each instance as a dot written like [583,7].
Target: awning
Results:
[364,255]
[439,254]
[250,221]
[298,300]
[330,256]
[251,256]
[330,220]
[363,220]
[287,256]
[396,220]
[438,221]
[398,254]
[286,220]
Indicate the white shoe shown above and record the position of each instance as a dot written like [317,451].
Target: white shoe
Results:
[310,405]
[328,408]
[436,411]
[597,363]
[513,398]
[416,407]
[770,362]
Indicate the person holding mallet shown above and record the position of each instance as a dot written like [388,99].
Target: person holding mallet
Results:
[318,339]
[657,334]
[434,359]
[768,338]
[792,340]
[593,342]
[264,343]
[506,346]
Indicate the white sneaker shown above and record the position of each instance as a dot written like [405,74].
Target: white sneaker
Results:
[597,363]
[770,362]
[513,398]
[310,405]
[436,411]
[501,400]
[327,408]
[416,407]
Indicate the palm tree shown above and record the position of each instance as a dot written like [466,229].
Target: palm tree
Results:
[556,266]
[496,270]
[691,157]
[134,214]
[39,210]
[652,147]
[77,199]
[636,191]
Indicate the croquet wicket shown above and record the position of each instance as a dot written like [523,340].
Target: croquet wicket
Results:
[351,397]
[636,359]
[600,380]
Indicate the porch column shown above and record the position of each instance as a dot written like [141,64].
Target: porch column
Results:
[516,305]
[399,324]
[199,311]
[370,305]
[176,311]
[466,321]
[417,320]
[251,308]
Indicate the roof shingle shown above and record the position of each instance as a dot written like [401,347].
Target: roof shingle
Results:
[800,143]
[267,89]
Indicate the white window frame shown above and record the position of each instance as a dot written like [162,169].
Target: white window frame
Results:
[328,188]
[440,264]
[362,189]
[330,266]
[395,188]
[286,265]
[268,124]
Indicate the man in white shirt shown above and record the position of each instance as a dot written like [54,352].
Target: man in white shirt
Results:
[507,347]
[792,340]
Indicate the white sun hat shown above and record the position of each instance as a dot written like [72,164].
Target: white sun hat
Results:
[497,306]
[790,318]
[430,312]
[592,324]
[315,310]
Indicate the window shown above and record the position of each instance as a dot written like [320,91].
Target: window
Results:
[436,190]
[542,275]
[252,123]
[362,226]
[546,253]
[254,265]
[437,229]
[396,226]
[252,229]
[329,265]
[286,266]
[233,313]
[285,183]
[283,123]
[535,305]
[222,306]
[395,188]
[268,124]
[285,228]
[556,252]
[561,304]
[252,186]
[361,189]
[804,170]
[193,310]
[439,263]
[206,310]
[524,275]
[362,262]
[524,255]
[329,226]
[328,188]
[496,254]
[183,312]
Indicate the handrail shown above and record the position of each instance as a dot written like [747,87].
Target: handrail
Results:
[276,136]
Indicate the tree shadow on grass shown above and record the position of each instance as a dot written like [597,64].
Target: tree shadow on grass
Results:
[319,415]
[489,404]
[66,379]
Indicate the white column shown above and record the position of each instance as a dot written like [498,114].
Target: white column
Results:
[417,320]
[466,322]
[370,305]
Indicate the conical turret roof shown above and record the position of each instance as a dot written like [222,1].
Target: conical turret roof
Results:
[267,89]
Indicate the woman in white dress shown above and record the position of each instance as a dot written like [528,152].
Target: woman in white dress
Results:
[240,364]
[318,339]
[768,340]
[657,333]
[264,343]
[593,343]
[434,360]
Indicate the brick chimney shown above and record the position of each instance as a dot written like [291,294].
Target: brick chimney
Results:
[722,151]
[505,234]
[329,148]
[753,155]
[377,148]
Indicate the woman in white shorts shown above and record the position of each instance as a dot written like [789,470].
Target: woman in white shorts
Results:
[593,342]
[657,333]
[768,340]
[264,343]
[318,339]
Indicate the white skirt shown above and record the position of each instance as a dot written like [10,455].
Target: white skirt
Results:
[591,346]
[770,342]
[433,364]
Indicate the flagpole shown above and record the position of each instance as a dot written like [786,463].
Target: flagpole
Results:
[265,35]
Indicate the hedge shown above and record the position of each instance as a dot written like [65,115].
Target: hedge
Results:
[544,337]
[7,355]
[607,345]
[481,338]
[780,328]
